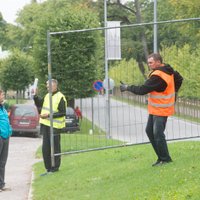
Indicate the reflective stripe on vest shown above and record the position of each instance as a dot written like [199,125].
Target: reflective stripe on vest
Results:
[162,103]
[59,122]
[54,120]
[162,96]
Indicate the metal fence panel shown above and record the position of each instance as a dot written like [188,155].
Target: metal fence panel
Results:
[128,112]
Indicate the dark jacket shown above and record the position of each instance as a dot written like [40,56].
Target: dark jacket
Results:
[156,83]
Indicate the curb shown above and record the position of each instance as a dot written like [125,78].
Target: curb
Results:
[30,195]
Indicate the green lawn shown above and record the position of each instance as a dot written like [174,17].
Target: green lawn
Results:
[82,140]
[123,174]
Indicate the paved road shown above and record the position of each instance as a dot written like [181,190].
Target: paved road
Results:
[127,122]
[19,167]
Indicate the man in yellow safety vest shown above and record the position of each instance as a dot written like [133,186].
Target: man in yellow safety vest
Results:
[59,112]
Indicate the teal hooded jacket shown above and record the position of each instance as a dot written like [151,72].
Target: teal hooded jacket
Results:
[5,128]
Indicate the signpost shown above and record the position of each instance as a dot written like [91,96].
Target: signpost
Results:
[109,84]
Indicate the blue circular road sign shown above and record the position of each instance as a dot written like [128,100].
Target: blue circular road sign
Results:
[98,85]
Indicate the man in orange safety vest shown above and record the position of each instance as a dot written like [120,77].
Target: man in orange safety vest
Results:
[162,86]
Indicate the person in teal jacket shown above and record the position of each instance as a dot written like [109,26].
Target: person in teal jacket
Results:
[5,133]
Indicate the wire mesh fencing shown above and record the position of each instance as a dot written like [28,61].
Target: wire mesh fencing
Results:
[116,119]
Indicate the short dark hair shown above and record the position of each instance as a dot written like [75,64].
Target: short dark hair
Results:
[156,56]
[1,91]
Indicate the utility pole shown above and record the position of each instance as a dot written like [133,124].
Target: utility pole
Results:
[107,117]
[155,43]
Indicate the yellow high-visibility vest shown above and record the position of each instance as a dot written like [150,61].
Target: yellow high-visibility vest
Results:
[59,122]
[162,103]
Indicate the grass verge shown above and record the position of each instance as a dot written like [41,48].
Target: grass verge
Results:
[123,174]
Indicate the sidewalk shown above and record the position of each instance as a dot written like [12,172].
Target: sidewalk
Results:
[18,175]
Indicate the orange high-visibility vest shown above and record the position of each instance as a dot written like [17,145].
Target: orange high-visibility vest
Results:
[162,103]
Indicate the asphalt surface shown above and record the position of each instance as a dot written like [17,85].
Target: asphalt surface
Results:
[18,175]
[128,122]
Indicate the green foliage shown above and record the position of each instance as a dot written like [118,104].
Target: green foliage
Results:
[123,174]
[13,37]
[26,18]
[134,43]
[82,140]
[127,72]
[178,33]
[184,60]
[187,63]
[16,71]
[186,8]
[2,29]
[75,57]
[10,35]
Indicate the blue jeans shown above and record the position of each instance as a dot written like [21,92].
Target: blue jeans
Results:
[155,131]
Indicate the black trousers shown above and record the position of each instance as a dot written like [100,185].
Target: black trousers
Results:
[46,147]
[155,131]
[4,144]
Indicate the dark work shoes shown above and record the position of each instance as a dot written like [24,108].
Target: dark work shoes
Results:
[49,172]
[156,163]
[46,173]
[160,162]
[54,170]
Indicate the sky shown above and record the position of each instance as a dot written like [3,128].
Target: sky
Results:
[9,8]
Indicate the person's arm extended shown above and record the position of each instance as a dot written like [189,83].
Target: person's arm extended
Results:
[155,83]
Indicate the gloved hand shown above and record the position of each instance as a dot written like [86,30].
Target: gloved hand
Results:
[123,87]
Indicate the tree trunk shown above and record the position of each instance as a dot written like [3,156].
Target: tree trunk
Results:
[142,33]
[17,98]
[142,37]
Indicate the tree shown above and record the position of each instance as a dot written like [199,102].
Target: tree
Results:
[10,35]
[2,29]
[16,71]
[26,19]
[75,56]
[180,59]
[189,31]
[135,41]
[186,8]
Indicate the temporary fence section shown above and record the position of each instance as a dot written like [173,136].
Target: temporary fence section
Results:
[119,119]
